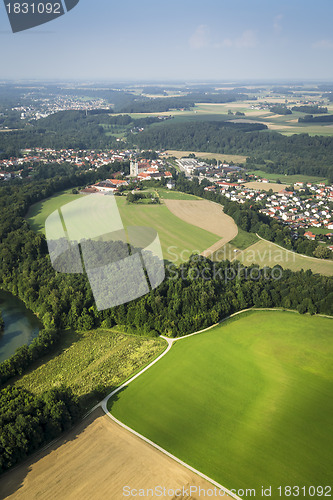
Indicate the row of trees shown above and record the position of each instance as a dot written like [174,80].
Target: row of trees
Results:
[316,119]
[139,197]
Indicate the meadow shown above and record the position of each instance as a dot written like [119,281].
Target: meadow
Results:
[287,179]
[175,234]
[39,212]
[167,194]
[91,363]
[265,253]
[248,403]
[244,239]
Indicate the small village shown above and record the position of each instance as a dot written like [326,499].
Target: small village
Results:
[301,206]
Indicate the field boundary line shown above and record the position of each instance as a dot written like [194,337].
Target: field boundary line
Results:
[173,457]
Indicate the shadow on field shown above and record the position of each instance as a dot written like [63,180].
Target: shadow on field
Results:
[14,480]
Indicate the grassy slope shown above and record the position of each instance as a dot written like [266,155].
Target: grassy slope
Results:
[173,232]
[243,239]
[248,403]
[265,253]
[287,179]
[175,195]
[91,361]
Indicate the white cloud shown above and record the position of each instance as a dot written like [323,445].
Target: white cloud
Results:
[323,44]
[247,40]
[200,38]
[277,26]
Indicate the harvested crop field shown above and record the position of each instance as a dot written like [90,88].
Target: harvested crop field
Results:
[206,215]
[207,155]
[265,186]
[96,460]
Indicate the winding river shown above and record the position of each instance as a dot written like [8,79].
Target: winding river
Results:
[21,325]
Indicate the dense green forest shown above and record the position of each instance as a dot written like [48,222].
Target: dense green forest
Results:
[27,422]
[297,154]
[316,119]
[280,110]
[310,109]
[70,129]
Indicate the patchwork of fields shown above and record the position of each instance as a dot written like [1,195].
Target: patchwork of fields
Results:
[186,224]
[179,238]
[248,403]
[96,460]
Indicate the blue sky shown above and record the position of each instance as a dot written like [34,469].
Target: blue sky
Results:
[175,40]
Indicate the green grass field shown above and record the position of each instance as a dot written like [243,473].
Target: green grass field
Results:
[320,230]
[91,363]
[287,179]
[175,234]
[39,212]
[243,239]
[168,194]
[249,403]
[265,253]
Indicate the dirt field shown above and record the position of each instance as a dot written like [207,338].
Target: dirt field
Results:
[200,154]
[97,460]
[263,186]
[207,215]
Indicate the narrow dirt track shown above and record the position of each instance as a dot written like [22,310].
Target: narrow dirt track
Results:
[96,460]
[206,215]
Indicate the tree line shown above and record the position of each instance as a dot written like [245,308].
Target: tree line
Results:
[296,154]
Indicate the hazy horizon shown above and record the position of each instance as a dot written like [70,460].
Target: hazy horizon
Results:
[211,41]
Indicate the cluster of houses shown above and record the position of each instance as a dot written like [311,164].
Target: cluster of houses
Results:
[81,158]
[302,211]
[300,208]
[43,107]
[143,170]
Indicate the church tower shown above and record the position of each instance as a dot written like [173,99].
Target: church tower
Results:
[134,169]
